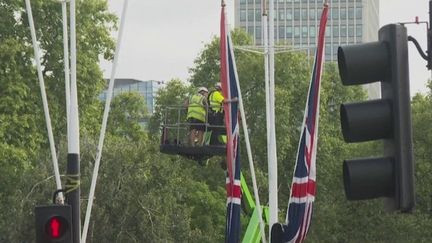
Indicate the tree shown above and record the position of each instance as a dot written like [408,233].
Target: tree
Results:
[25,164]
[169,101]
[127,116]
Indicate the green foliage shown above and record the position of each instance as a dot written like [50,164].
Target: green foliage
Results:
[128,112]
[26,166]
[145,196]
[169,103]
[335,219]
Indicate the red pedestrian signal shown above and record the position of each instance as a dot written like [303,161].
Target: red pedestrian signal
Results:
[53,224]
[56,227]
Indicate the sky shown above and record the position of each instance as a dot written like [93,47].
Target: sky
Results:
[161,39]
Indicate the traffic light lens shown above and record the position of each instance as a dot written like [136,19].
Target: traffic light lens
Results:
[56,227]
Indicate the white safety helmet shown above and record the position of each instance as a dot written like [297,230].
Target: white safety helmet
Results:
[218,85]
[202,89]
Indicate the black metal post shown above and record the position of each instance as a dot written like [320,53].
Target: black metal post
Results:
[73,194]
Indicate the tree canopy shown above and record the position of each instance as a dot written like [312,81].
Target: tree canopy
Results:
[145,196]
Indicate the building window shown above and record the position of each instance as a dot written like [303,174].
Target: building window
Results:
[289,32]
[335,49]
[351,31]
[304,31]
[335,13]
[251,1]
[250,15]
[343,31]
[250,30]
[242,15]
[358,13]
[304,14]
[258,32]
[281,1]
[258,15]
[311,13]
[327,50]
[242,1]
[312,40]
[359,31]
[288,14]
[350,13]
[281,32]
[296,14]
[327,33]
[335,31]
[281,14]
[312,32]
[296,31]
[343,14]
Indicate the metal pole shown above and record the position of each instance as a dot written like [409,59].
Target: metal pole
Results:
[429,39]
[104,124]
[73,163]
[272,163]
[266,76]
[44,100]
[66,63]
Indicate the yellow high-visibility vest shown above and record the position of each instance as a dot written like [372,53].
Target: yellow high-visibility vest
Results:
[196,108]
[215,99]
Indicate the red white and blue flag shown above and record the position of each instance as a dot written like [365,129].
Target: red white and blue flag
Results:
[303,187]
[229,83]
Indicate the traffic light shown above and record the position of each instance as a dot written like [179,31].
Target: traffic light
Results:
[53,224]
[388,118]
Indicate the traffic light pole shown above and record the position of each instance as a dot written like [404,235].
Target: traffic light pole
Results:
[73,163]
[73,193]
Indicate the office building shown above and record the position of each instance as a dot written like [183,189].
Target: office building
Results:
[148,89]
[296,23]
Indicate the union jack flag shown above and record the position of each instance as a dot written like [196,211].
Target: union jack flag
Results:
[303,187]
[229,83]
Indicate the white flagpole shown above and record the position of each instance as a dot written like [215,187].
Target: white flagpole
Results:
[66,63]
[272,163]
[73,144]
[73,160]
[44,100]
[266,75]
[104,124]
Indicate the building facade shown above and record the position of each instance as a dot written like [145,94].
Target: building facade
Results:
[148,89]
[296,24]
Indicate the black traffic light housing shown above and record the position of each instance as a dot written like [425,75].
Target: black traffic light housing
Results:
[388,118]
[53,224]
